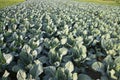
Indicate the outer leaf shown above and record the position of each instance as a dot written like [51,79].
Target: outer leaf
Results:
[26,58]
[117,63]
[16,68]
[5,75]
[104,78]
[43,59]
[67,58]
[84,50]
[79,40]
[63,51]
[108,60]
[51,70]
[8,58]
[83,77]
[39,49]
[75,76]
[69,66]
[21,75]
[26,48]
[112,74]
[60,74]
[36,70]
[98,66]
[34,53]
[15,36]
[63,41]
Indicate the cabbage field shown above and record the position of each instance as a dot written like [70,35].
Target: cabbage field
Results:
[59,40]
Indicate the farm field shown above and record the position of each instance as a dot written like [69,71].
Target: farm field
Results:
[6,3]
[103,2]
[59,40]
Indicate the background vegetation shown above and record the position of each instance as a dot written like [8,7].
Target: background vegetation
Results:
[108,2]
[5,3]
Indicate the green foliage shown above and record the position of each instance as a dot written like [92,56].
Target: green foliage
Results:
[6,3]
[59,40]
[117,1]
